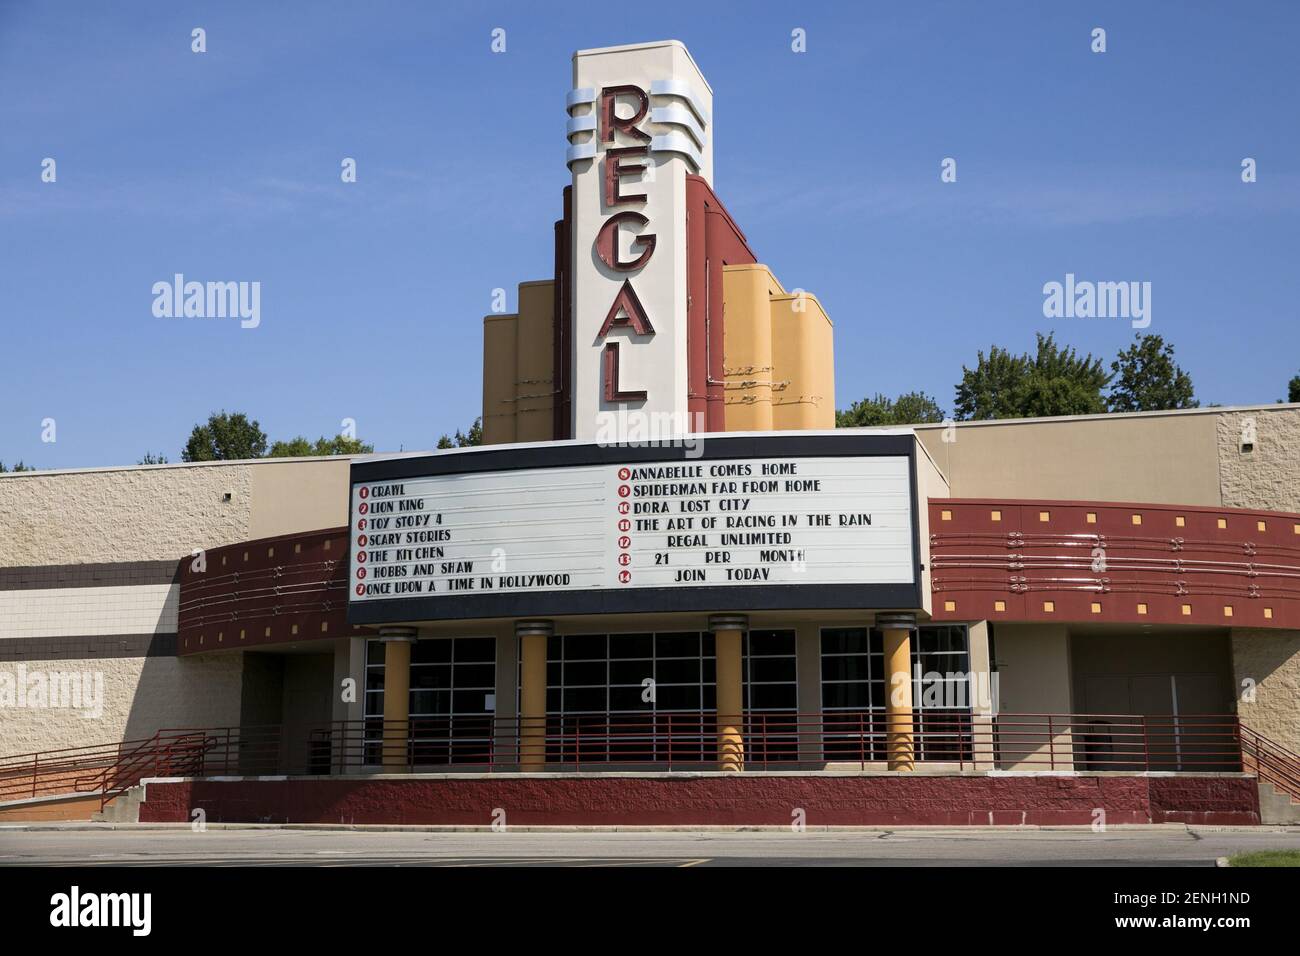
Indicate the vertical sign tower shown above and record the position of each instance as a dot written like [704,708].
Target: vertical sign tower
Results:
[640,121]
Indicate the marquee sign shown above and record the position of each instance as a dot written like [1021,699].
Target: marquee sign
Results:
[781,521]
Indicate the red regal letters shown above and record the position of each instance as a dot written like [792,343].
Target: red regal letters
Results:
[620,162]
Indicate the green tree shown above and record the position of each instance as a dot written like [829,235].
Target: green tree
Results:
[462,440]
[1293,390]
[1053,381]
[151,459]
[225,437]
[911,408]
[18,467]
[300,447]
[1146,378]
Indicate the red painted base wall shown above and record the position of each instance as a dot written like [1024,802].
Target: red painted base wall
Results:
[716,800]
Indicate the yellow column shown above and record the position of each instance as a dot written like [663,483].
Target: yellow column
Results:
[899,743]
[727,630]
[532,693]
[397,695]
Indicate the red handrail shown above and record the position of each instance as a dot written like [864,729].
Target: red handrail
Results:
[670,741]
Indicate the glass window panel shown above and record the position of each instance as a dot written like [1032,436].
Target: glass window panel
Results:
[846,695]
[431,676]
[678,698]
[677,645]
[762,643]
[475,676]
[470,702]
[436,651]
[584,647]
[476,649]
[628,698]
[844,640]
[430,702]
[767,669]
[681,671]
[630,672]
[584,672]
[584,698]
[631,645]
[772,696]
[374,678]
[846,667]
[374,652]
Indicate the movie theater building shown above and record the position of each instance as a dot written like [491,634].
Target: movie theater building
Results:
[666,589]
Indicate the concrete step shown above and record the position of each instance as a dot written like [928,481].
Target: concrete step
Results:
[1276,806]
[125,808]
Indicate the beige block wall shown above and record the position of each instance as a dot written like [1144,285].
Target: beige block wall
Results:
[141,695]
[1270,660]
[133,514]
[1268,476]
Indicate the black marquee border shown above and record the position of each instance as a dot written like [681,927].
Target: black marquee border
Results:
[744,597]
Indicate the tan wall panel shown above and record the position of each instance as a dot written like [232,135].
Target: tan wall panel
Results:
[1171,459]
[747,347]
[1034,678]
[500,348]
[534,363]
[803,395]
[293,496]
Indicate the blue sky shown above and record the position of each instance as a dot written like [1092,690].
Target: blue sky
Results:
[225,166]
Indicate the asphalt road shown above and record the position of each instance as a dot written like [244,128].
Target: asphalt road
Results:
[1168,846]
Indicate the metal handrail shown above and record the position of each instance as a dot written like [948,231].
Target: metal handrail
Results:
[667,742]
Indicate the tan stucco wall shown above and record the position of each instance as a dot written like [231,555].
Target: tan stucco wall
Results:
[1033,678]
[1169,459]
[519,369]
[122,514]
[1268,476]
[803,363]
[141,695]
[1271,660]
[294,496]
